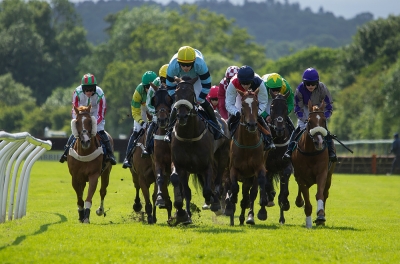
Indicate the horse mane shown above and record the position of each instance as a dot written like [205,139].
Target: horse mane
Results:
[83,108]
[185,78]
[315,108]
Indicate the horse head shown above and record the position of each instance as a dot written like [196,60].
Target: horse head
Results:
[185,98]
[279,113]
[162,103]
[316,125]
[249,109]
[84,127]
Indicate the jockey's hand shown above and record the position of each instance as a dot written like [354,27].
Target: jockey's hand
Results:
[200,101]
[237,115]
[268,119]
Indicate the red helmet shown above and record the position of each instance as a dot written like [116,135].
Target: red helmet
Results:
[213,92]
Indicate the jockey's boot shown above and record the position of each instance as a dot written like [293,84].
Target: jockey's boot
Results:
[331,148]
[172,120]
[129,151]
[292,144]
[149,136]
[66,148]
[106,141]
[210,111]
[268,142]
[233,123]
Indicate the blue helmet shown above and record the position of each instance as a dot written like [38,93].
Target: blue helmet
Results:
[396,135]
[310,74]
[245,74]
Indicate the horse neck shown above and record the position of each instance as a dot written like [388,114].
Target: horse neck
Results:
[193,127]
[282,139]
[244,137]
[306,143]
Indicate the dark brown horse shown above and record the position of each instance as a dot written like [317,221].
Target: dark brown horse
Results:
[143,176]
[311,164]
[247,162]
[162,103]
[277,168]
[192,149]
[85,162]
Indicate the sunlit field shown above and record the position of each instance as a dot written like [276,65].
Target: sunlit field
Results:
[362,213]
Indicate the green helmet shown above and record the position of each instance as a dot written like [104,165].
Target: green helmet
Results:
[273,81]
[88,79]
[148,77]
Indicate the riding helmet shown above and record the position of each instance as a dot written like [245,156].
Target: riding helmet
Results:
[148,77]
[245,74]
[186,54]
[88,79]
[273,80]
[163,71]
[310,74]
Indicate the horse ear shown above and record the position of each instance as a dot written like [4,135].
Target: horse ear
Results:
[257,91]
[286,95]
[154,86]
[322,106]
[310,108]
[76,110]
[89,107]
[272,94]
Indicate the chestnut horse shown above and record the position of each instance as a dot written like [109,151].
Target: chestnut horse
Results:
[277,168]
[312,166]
[193,151]
[85,162]
[247,162]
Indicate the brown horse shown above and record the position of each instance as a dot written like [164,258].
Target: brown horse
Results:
[312,166]
[247,162]
[162,103]
[143,176]
[192,149]
[85,162]
[277,168]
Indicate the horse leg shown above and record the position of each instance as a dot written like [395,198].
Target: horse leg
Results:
[244,204]
[105,179]
[146,194]
[307,207]
[180,214]
[154,197]
[79,187]
[269,188]
[321,198]
[209,196]
[168,202]
[88,202]
[160,202]
[299,199]
[283,200]
[232,197]
[187,192]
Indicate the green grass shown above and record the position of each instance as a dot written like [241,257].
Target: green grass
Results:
[363,223]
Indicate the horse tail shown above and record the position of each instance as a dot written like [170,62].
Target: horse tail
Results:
[197,181]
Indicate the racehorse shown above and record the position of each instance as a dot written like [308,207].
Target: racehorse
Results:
[192,152]
[312,166]
[143,176]
[162,103]
[277,168]
[85,162]
[247,162]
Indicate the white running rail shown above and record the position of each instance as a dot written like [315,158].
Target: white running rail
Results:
[14,148]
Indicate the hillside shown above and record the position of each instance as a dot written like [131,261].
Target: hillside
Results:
[282,28]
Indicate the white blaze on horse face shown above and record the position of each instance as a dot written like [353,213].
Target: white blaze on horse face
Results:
[249,101]
[318,117]
[85,136]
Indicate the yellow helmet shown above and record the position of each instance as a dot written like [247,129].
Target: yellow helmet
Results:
[186,54]
[163,71]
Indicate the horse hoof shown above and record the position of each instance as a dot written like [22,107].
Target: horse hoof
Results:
[99,212]
[215,207]
[320,221]
[250,221]
[219,212]
[205,207]
[285,206]
[299,203]
[137,207]
[262,215]
[270,204]
[160,203]
[86,221]
[282,221]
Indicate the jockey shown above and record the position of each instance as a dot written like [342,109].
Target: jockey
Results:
[88,93]
[139,109]
[311,89]
[247,80]
[277,84]
[190,62]
[160,80]
[230,72]
[212,97]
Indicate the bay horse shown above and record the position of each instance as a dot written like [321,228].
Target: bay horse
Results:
[142,177]
[161,157]
[247,162]
[193,151]
[312,166]
[277,168]
[85,162]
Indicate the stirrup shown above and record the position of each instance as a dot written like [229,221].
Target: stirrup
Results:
[111,159]
[333,158]
[287,155]
[145,154]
